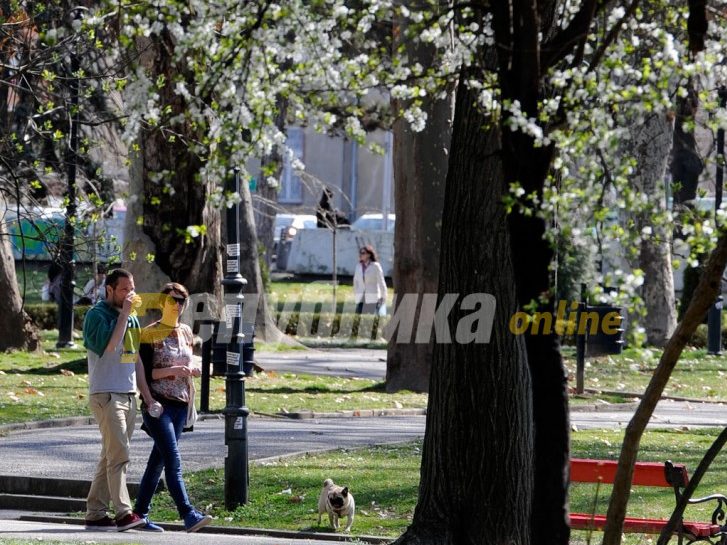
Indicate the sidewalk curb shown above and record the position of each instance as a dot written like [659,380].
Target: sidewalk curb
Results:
[604,406]
[230,530]
[354,413]
[297,415]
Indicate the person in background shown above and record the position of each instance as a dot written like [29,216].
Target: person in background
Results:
[166,353]
[51,290]
[111,335]
[95,288]
[369,286]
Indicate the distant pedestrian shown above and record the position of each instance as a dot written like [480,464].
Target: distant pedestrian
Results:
[51,290]
[111,336]
[95,288]
[166,353]
[369,285]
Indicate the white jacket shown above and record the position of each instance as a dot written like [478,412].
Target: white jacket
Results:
[370,286]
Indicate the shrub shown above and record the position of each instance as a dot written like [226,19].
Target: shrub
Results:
[330,324]
[45,315]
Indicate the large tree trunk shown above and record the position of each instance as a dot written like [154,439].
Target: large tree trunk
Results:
[652,141]
[527,163]
[685,167]
[420,171]
[173,196]
[256,304]
[477,467]
[16,329]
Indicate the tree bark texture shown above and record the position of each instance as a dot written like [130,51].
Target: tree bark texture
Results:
[685,165]
[420,172]
[476,474]
[527,163]
[167,213]
[16,328]
[704,296]
[652,142]
[531,256]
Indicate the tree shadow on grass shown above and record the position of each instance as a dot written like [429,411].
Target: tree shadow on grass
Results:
[77,367]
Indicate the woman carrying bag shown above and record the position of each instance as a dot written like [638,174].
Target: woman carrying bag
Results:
[166,352]
[369,285]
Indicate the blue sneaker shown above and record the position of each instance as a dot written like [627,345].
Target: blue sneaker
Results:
[196,520]
[149,526]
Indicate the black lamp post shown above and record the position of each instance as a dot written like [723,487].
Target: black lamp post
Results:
[65,308]
[236,475]
[714,316]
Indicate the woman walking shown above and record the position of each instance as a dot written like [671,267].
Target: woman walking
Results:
[369,286]
[166,352]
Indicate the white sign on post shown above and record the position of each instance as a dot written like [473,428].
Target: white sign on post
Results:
[232,266]
[233,358]
[233,250]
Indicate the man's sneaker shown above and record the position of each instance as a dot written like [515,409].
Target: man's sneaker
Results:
[196,520]
[131,520]
[101,525]
[149,526]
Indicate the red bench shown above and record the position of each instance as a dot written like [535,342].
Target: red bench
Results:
[665,475]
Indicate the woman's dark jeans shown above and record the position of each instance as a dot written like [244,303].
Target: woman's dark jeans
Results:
[367,308]
[165,431]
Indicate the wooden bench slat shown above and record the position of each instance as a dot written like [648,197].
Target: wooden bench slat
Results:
[645,473]
[582,521]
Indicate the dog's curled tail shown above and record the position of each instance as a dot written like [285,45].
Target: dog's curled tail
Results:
[327,483]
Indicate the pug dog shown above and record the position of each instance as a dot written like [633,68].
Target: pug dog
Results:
[337,501]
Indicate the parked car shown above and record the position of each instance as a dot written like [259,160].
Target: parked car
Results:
[373,222]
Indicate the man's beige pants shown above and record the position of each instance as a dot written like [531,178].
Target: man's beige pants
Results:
[115,415]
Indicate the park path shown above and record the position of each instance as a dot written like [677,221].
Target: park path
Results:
[72,452]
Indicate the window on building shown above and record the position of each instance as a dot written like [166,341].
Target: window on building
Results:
[291,187]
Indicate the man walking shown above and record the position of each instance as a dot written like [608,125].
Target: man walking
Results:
[111,336]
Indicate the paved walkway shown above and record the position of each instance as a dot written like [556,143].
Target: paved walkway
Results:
[356,362]
[72,452]
[44,531]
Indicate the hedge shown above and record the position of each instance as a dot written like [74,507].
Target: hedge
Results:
[45,315]
[328,324]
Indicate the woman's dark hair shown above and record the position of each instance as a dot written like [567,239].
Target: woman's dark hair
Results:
[54,270]
[370,250]
[113,278]
[169,287]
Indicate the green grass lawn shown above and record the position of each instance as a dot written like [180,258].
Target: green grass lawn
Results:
[696,375]
[53,384]
[385,479]
[284,494]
